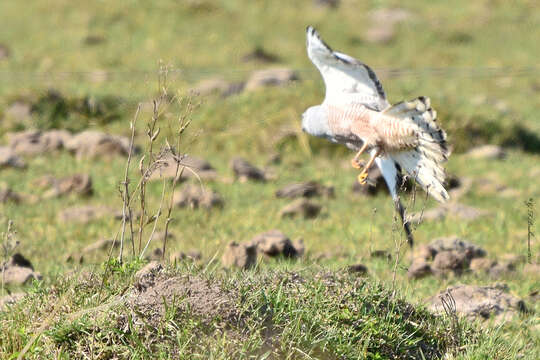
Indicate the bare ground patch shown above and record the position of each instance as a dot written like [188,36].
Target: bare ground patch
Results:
[206,300]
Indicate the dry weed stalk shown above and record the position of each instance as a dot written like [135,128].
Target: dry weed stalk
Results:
[126,199]
[449,305]
[150,162]
[9,244]
[530,225]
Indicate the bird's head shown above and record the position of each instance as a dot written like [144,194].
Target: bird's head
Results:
[315,122]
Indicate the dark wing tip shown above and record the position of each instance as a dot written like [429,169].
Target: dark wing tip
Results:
[313,33]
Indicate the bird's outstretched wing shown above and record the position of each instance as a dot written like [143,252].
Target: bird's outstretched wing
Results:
[346,79]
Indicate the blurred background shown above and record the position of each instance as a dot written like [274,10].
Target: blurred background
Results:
[87,66]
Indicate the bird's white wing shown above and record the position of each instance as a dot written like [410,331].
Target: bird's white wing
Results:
[346,79]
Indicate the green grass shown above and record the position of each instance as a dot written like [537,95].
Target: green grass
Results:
[277,314]
[208,38]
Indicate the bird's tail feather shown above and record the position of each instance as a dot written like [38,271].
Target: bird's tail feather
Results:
[424,161]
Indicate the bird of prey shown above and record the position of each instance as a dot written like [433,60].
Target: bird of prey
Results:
[356,113]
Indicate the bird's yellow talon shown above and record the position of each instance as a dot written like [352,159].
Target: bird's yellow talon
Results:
[362,178]
[357,164]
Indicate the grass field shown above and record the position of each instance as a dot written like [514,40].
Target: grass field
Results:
[477,61]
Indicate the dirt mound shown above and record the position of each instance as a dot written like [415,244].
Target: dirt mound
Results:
[36,142]
[270,77]
[481,302]
[275,243]
[444,256]
[305,189]
[244,171]
[78,184]
[300,208]
[91,144]
[194,196]
[189,167]
[243,256]
[185,293]
[8,158]
[18,271]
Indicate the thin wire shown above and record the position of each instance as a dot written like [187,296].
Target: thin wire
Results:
[115,75]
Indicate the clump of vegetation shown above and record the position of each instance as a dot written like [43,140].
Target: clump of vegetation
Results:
[53,110]
[277,314]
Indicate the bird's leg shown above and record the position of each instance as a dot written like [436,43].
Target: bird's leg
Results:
[364,174]
[354,162]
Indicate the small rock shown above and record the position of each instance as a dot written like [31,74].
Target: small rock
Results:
[458,187]
[78,184]
[84,214]
[217,86]
[270,77]
[450,261]
[481,264]
[455,243]
[301,207]
[36,142]
[8,300]
[381,254]
[18,271]
[17,275]
[93,39]
[8,195]
[244,171]
[450,255]
[189,167]
[90,144]
[299,246]
[419,269]
[195,196]
[8,158]
[327,3]
[500,269]
[180,256]
[4,52]
[479,302]
[243,256]
[260,55]
[275,243]
[424,252]
[210,86]
[305,189]
[488,152]
[18,260]
[145,276]
[359,269]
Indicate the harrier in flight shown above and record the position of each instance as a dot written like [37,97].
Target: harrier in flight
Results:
[355,112]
